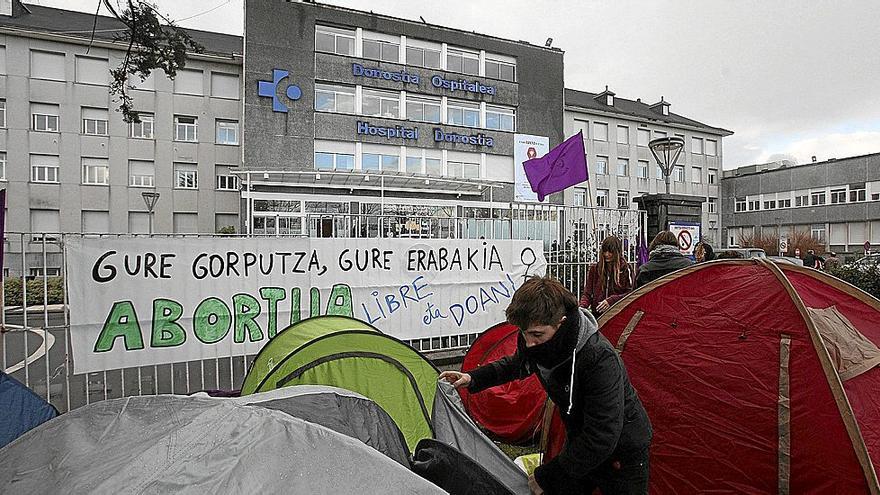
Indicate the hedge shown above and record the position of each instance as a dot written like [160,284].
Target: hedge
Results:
[54,285]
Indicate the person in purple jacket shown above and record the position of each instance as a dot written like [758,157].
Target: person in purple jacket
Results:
[608,280]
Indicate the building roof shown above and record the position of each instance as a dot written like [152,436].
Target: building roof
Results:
[41,19]
[637,109]
[760,168]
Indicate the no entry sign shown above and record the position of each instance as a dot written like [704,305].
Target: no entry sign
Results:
[688,235]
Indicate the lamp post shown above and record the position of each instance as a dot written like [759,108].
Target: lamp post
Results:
[150,198]
[666,151]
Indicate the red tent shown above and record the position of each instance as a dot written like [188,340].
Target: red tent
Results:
[757,378]
[512,412]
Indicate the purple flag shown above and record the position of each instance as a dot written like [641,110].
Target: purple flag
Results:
[643,250]
[2,227]
[564,166]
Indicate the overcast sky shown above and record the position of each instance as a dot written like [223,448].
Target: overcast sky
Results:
[789,77]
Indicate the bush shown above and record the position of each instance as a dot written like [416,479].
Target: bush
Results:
[797,239]
[866,277]
[54,285]
[229,229]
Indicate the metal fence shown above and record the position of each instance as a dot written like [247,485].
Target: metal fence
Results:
[35,344]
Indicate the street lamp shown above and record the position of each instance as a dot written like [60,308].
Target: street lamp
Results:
[150,198]
[666,151]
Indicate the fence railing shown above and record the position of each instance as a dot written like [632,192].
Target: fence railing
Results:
[35,339]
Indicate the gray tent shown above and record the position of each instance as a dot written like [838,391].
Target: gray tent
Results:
[340,410]
[173,444]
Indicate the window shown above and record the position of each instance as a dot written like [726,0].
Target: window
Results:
[583,127]
[95,171]
[44,117]
[186,128]
[785,203]
[141,173]
[678,173]
[186,176]
[643,169]
[696,175]
[333,98]
[740,205]
[433,166]
[47,65]
[817,231]
[623,167]
[385,51]
[37,272]
[713,205]
[644,137]
[423,109]
[375,161]
[92,70]
[225,85]
[227,132]
[857,192]
[422,57]
[2,165]
[463,169]
[602,198]
[623,200]
[144,128]
[711,147]
[430,165]
[659,134]
[622,134]
[802,200]
[580,197]
[189,82]
[45,222]
[2,113]
[94,121]
[697,146]
[838,196]
[462,61]
[333,161]
[817,198]
[334,40]
[600,131]
[500,118]
[770,205]
[497,69]
[602,165]
[462,113]
[754,205]
[96,222]
[186,223]
[659,171]
[225,180]
[712,176]
[381,104]
[44,168]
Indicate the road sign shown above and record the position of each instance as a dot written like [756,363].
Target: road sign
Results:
[783,245]
[688,234]
[797,253]
[867,247]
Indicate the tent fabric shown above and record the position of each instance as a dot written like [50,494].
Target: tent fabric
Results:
[292,338]
[21,408]
[453,471]
[175,444]
[372,364]
[511,412]
[454,427]
[708,358]
[851,352]
[342,411]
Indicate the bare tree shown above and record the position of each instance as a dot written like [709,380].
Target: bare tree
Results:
[154,43]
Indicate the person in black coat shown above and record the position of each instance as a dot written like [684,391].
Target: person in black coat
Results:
[664,257]
[608,432]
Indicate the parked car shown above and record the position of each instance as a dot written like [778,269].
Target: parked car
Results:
[787,259]
[743,252]
[867,262]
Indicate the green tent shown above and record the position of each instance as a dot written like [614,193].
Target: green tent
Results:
[394,375]
[292,338]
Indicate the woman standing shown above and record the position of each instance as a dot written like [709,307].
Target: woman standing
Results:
[608,280]
[664,257]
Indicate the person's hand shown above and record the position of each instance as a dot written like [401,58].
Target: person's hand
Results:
[534,487]
[603,306]
[456,378]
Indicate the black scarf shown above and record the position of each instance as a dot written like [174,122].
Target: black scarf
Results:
[560,346]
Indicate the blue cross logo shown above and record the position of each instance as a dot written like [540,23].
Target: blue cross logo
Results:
[268,89]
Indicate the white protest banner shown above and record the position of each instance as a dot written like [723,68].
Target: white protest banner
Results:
[526,147]
[688,235]
[145,301]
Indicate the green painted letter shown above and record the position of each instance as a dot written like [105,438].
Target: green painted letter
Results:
[272,295]
[166,331]
[212,320]
[121,322]
[247,309]
[340,301]
[294,305]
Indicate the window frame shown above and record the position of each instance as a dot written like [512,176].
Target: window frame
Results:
[141,183]
[466,108]
[383,96]
[145,118]
[502,112]
[336,33]
[221,125]
[335,90]
[178,125]
[87,170]
[48,118]
[181,170]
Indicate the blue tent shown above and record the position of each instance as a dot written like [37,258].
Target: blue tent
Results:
[22,409]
